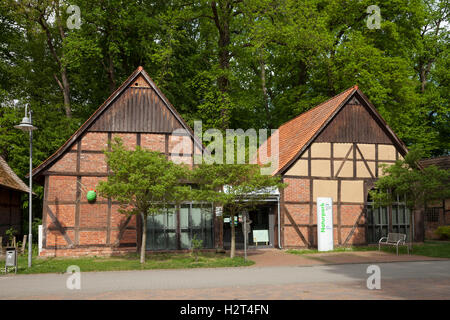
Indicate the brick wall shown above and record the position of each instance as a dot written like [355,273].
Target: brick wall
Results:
[87,224]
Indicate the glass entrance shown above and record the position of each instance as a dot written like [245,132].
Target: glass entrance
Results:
[262,218]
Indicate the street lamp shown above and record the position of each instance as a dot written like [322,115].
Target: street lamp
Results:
[27,126]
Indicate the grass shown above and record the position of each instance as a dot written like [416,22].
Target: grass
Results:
[438,249]
[130,262]
[340,249]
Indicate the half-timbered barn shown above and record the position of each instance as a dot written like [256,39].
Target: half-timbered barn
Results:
[11,189]
[334,150]
[140,114]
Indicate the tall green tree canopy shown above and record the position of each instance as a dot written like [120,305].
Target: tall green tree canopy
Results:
[230,63]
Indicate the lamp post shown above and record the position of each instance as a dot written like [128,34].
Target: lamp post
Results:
[27,126]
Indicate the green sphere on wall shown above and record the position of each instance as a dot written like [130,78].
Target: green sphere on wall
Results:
[91,195]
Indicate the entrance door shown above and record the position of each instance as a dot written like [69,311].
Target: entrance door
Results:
[262,218]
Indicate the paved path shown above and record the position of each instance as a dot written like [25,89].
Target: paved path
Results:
[275,257]
[399,280]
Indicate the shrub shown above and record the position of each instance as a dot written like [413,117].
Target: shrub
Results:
[196,245]
[443,232]
[10,234]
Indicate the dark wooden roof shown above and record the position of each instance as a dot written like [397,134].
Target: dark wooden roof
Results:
[138,109]
[136,106]
[441,162]
[9,179]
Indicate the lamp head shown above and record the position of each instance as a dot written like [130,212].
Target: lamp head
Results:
[25,125]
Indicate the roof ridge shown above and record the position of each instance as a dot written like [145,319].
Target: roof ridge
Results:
[355,87]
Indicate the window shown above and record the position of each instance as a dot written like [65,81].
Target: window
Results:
[190,219]
[380,221]
[377,223]
[161,230]
[432,214]
[196,220]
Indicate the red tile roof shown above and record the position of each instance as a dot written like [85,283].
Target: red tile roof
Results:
[296,133]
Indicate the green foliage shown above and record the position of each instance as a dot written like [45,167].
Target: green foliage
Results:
[34,226]
[405,177]
[196,245]
[231,64]
[10,234]
[443,232]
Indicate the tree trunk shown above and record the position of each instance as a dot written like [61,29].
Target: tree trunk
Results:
[64,76]
[264,91]
[66,92]
[144,237]
[233,238]
[111,75]
[222,21]
[63,84]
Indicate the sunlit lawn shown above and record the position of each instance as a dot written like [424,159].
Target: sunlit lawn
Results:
[130,262]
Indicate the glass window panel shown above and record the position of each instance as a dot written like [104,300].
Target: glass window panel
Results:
[394,215]
[150,241]
[377,233]
[401,218]
[377,216]
[369,216]
[159,221]
[160,240]
[208,217]
[208,240]
[172,240]
[184,216]
[150,223]
[185,240]
[384,215]
[196,217]
[369,235]
[171,219]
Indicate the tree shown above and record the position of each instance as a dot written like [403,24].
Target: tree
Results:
[419,185]
[48,16]
[144,182]
[236,187]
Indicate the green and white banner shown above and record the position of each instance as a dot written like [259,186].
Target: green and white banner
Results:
[325,224]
